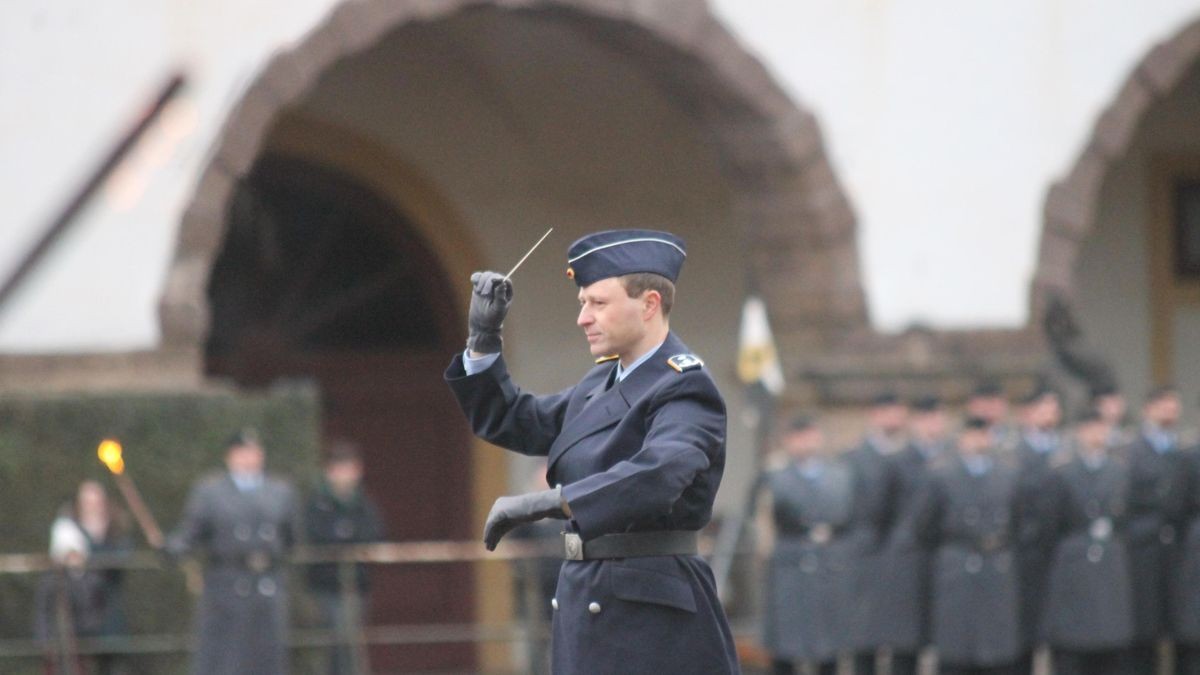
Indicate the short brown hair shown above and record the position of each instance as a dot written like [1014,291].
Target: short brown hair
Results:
[638,283]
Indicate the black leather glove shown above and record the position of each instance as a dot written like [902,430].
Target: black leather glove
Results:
[489,305]
[509,512]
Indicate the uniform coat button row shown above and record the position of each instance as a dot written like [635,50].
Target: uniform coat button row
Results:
[593,607]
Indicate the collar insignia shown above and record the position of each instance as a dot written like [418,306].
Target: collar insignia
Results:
[685,362]
[606,359]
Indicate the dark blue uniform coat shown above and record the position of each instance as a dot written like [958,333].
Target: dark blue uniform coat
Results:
[644,455]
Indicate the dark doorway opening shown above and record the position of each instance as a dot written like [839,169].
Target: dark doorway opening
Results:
[321,278]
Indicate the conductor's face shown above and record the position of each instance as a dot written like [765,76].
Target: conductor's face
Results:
[613,322]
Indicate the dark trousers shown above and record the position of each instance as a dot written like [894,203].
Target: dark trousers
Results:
[904,664]
[347,628]
[864,663]
[1143,659]
[782,667]
[1187,659]
[1107,662]
[953,669]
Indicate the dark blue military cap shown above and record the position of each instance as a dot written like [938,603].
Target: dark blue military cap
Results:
[618,252]
[973,423]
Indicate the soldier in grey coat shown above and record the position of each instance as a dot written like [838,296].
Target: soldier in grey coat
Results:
[1159,489]
[967,517]
[242,523]
[903,594]
[811,498]
[1089,606]
[874,508]
[1037,443]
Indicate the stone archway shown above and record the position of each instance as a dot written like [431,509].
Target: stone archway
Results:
[796,223]
[786,205]
[1069,214]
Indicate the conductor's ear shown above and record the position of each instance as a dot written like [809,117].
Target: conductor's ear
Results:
[651,303]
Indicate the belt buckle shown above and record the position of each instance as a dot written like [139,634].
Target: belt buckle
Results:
[572,546]
[820,534]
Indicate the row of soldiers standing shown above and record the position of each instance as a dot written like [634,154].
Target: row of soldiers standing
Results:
[989,543]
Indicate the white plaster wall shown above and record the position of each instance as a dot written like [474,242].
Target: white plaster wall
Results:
[74,75]
[1113,269]
[946,121]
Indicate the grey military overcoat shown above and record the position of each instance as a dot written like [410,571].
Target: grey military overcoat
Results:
[902,595]
[1158,502]
[969,522]
[805,605]
[242,538]
[1089,604]
[874,510]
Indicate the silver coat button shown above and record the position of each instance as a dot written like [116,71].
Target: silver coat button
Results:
[594,607]
[554,603]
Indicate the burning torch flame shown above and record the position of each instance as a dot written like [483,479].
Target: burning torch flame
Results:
[109,453]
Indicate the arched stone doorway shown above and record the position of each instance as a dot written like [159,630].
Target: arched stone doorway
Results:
[1109,241]
[321,278]
[486,122]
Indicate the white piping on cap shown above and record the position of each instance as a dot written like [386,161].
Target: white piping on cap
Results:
[627,241]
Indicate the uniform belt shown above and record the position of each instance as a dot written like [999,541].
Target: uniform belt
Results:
[629,545]
[255,561]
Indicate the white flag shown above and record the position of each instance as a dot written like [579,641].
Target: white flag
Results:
[757,359]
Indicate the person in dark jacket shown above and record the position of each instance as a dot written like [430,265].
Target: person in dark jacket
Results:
[83,597]
[243,522]
[811,500]
[1038,441]
[1159,492]
[967,517]
[339,512]
[875,484]
[903,593]
[1089,606]
[636,451]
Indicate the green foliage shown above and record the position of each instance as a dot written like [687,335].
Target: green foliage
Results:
[48,445]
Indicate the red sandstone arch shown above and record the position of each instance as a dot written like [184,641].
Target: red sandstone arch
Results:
[796,221]
[1070,209]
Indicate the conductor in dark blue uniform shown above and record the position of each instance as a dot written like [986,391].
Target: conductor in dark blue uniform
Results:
[635,451]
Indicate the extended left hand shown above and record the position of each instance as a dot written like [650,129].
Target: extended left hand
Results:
[509,512]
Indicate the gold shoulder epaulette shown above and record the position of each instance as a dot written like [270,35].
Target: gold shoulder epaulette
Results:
[685,362]
[606,359]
